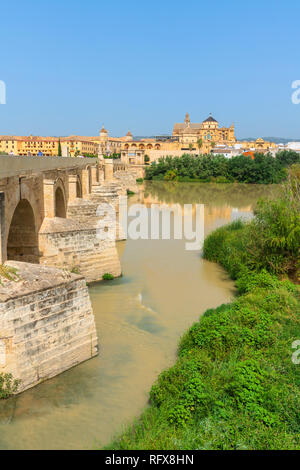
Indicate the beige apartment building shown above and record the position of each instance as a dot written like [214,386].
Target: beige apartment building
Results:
[47,146]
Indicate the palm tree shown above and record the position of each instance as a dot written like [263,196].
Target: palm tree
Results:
[199,143]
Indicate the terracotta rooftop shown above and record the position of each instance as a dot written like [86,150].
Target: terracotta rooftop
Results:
[28,138]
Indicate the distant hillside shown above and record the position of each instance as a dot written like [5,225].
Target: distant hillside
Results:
[276,140]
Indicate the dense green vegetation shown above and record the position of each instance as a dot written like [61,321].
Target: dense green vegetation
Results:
[263,169]
[8,385]
[234,385]
[107,277]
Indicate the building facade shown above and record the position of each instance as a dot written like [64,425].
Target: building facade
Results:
[203,136]
[29,145]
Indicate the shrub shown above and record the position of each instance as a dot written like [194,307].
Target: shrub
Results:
[8,272]
[107,277]
[75,270]
[8,385]
[274,235]
[171,175]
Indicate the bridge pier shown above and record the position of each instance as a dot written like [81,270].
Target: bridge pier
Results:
[73,187]
[108,169]
[49,198]
[46,323]
[72,244]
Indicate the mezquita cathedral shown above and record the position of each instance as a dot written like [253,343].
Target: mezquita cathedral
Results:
[207,132]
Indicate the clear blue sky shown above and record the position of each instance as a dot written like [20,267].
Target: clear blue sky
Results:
[70,66]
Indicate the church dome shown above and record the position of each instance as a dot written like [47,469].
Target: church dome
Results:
[210,119]
[103,130]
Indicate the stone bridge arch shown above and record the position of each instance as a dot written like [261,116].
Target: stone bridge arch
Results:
[22,234]
[78,187]
[60,204]
[55,198]
[60,199]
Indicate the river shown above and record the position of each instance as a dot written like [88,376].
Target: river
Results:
[140,318]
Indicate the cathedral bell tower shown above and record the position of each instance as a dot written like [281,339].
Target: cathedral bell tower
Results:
[187,119]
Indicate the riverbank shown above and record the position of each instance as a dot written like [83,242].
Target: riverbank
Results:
[235,384]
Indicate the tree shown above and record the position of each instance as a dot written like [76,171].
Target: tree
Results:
[59,148]
[199,143]
[287,157]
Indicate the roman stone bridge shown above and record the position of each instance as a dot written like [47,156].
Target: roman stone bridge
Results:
[48,243]
[48,211]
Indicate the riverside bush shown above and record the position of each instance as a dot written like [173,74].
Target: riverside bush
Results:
[107,277]
[8,385]
[270,242]
[234,385]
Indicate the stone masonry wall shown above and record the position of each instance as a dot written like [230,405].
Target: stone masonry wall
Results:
[127,179]
[46,323]
[70,244]
[85,210]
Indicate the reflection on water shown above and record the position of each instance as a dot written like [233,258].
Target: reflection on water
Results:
[140,318]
